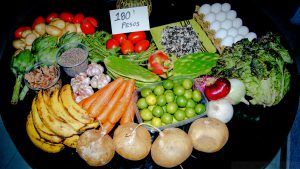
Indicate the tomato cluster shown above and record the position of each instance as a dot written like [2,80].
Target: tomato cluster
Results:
[87,24]
[133,42]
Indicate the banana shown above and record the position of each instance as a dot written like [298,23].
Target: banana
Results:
[61,112]
[89,126]
[71,141]
[66,96]
[58,127]
[40,142]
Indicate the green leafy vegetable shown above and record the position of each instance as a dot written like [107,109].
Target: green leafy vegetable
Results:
[261,65]
[43,42]
[19,64]
[70,37]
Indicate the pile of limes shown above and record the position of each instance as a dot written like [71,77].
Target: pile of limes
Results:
[170,102]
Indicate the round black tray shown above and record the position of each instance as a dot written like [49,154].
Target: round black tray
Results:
[251,144]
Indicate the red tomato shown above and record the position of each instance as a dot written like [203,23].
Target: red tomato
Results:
[87,27]
[141,46]
[78,18]
[18,32]
[92,20]
[38,20]
[51,16]
[120,37]
[112,43]
[66,16]
[134,37]
[127,47]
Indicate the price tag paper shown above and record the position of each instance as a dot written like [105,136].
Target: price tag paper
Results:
[129,20]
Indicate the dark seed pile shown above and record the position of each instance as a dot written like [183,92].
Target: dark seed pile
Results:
[180,40]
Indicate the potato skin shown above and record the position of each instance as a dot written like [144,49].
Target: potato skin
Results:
[208,135]
[95,149]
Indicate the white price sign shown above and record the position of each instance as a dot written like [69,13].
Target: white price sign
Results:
[129,20]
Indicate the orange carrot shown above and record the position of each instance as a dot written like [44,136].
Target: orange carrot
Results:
[113,102]
[106,127]
[118,110]
[106,93]
[87,102]
[129,114]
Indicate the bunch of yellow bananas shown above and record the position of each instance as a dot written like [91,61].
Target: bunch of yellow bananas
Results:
[56,120]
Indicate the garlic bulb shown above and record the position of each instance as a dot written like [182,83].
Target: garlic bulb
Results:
[94,69]
[100,81]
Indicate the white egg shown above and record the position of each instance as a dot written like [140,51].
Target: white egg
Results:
[232,32]
[226,24]
[231,14]
[237,38]
[216,7]
[215,26]
[237,22]
[226,7]
[221,16]
[227,41]
[204,9]
[210,17]
[243,30]
[221,33]
[250,36]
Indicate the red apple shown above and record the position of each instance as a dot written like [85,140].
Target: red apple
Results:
[217,89]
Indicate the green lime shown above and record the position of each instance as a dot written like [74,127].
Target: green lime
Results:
[197,96]
[151,107]
[165,108]
[200,108]
[172,107]
[188,94]
[151,99]
[157,111]
[168,91]
[145,92]
[190,112]
[178,90]
[187,83]
[181,101]
[146,114]
[168,84]
[158,90]
[149,122]
[156,122]
[190,103]
[179,115]
[170,97]
[141,103]
[167,118]
[161,100]
[174,120]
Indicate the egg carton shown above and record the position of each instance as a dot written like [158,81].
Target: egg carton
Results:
[222,25]
[206,27]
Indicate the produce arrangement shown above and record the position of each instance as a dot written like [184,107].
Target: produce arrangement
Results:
[121,89]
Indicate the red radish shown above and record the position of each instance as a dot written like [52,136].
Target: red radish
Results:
[159,63]
[217,89]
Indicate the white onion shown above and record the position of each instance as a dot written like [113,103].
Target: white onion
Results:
[250,36]
[220,109]
[226,24]
[232,32]
[227,41]
[231,14]
[204,9]
[221,16]
[216,7]
[210,17]
[226,7]
[237,22]
[237,92]
[243,30]
[221,33]
[215,26]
